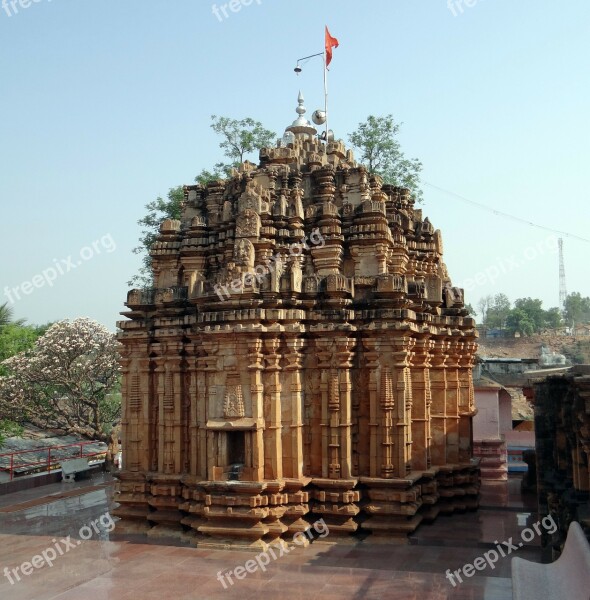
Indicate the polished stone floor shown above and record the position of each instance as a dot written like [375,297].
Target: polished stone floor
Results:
[101,568]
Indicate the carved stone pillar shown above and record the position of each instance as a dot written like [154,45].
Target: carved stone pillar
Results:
[438,386]
[192,494]
[393,498]
[273,453]
[371,356]
[132,489]
[343,355]
[255,369]
[293,436]
[273,443]
[452,403]
[334,362]
[166,485]
[402,347]
[422,399]
[467,408]
[335,497]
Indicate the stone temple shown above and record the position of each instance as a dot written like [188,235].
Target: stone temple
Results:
[303,355]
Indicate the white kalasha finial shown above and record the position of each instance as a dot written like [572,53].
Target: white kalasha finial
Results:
[301,110]
[301,125]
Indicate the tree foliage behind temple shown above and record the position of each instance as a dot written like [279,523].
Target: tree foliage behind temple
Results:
[375,139]
[238,139]
[378,148]
[526,317]
[577,309]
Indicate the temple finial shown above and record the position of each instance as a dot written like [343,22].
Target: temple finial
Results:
[301,125]
[301,110]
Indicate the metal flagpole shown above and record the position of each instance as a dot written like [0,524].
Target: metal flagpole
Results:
[326,96]
[298,70]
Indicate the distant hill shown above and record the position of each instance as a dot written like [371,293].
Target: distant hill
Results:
[577,350]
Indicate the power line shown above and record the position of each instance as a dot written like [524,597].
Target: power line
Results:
[506,215]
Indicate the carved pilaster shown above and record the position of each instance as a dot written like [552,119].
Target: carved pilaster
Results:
[438,410]
[293,437]
[273,454]
[422,400]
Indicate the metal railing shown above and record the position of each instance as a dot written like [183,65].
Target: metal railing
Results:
[52,460]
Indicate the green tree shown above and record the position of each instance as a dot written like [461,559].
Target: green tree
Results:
[577,309]
[519,321]
[553,318]
[6,316]
[238,138]
[533,308]
[483,306]
[158,210]
[242,137]
[380,151]
[498,311]
[16,338]
[579,353]
[528,316]
[9,429]
[220,171]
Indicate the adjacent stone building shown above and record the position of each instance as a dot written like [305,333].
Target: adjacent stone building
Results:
[562,426]
[302,355]
[490,425]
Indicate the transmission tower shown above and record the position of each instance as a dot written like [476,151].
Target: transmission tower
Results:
[562,288]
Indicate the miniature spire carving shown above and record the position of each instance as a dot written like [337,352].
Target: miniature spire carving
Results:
[233,406]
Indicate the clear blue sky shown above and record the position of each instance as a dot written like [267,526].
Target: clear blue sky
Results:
[105,105]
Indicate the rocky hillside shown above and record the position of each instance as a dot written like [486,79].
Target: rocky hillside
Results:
[576,350]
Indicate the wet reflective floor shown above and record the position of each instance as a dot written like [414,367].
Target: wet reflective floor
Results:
[61,549]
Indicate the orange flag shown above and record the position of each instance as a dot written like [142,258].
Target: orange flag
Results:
[331,42]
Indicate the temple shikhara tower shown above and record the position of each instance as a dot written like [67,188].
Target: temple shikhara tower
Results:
[302,355]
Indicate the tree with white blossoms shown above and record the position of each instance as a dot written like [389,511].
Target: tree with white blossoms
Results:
[69,381]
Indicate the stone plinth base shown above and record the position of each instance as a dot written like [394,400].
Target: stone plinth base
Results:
[391,505]
[132,492]
[493,459]
[236,533]
[253,515]
[336,502]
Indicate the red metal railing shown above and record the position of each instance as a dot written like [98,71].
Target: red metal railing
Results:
[49,463]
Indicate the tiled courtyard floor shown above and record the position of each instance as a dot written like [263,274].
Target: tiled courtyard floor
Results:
[101,568]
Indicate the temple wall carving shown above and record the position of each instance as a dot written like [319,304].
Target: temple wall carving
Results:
[302,354]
